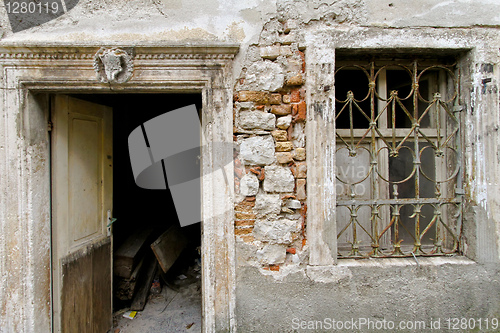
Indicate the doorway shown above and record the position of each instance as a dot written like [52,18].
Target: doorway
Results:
[139,217]
[33,72]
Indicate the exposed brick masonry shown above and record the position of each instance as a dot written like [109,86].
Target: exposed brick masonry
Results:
[269,104]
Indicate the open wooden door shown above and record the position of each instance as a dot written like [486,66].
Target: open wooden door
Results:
[82,176]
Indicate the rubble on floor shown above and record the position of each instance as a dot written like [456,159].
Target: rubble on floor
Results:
[174,301]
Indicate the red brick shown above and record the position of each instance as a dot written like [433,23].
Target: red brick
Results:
[281,110]
[262,175]
[290,133]
[238,172]
[275,99]
[244,216]
[295,95]
[244,223]
[291,250]
[250,198]
[243,209]
[301,111]
[303,211]
[256,170]
[248,238]
[259,97]
[300,189]
[274,268]
[300,170]
[244,231]
[244,205]
[296,80]
[259,172]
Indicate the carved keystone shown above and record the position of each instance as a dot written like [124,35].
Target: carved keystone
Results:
[113,65]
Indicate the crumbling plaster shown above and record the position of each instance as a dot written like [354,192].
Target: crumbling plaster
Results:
[185,21]
[469,27]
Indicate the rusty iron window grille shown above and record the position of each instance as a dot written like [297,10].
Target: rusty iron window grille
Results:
[398,158]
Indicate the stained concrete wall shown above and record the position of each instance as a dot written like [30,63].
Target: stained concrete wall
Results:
[393,290]
[269,300]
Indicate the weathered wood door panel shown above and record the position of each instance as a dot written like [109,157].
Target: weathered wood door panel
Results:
[81,199]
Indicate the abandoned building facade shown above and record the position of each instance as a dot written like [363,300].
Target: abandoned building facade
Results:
[363,145]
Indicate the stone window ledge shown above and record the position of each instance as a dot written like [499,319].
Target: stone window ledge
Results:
[346,268]
[407,261]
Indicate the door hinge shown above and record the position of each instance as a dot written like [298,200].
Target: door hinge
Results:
[50,126]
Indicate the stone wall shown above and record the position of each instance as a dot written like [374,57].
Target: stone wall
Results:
[270,168]
[277,277]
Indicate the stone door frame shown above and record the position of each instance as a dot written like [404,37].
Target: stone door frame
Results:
[28,74]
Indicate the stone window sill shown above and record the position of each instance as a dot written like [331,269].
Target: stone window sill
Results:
[346,269]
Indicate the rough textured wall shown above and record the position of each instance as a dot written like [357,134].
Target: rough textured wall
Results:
[271,220]
[271,165]
[270,112]
[402,293]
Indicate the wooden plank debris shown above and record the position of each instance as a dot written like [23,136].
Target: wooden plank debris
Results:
[144,283]
[168,247]
[125,288]
[130,253]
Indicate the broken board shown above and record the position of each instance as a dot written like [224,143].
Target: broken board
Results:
[144,283]
[125,288]
[129,254]
[168,247]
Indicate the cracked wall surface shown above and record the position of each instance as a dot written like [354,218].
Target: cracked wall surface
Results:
[276,279]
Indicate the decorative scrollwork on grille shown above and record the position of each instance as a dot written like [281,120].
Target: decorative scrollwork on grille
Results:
[398,159]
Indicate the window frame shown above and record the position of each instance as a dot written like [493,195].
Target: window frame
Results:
[386,198]
[321,46]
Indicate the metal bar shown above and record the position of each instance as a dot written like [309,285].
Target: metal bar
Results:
[440,187]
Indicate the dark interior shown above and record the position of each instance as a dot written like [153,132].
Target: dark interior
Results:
[134,208]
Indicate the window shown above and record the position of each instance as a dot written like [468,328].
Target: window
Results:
[398,157]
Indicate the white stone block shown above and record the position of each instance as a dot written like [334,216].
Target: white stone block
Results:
[264,75]
[276,231]
[278,179]
[249,185]
[284,122]
[294,204]
[267,203]
[257,120]
[257,150]
[272,254]
[270,52]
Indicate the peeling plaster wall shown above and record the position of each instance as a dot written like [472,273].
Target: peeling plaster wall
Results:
[397,291]
[275,284]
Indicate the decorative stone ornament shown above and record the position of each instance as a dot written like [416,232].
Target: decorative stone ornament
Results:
[113,65]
